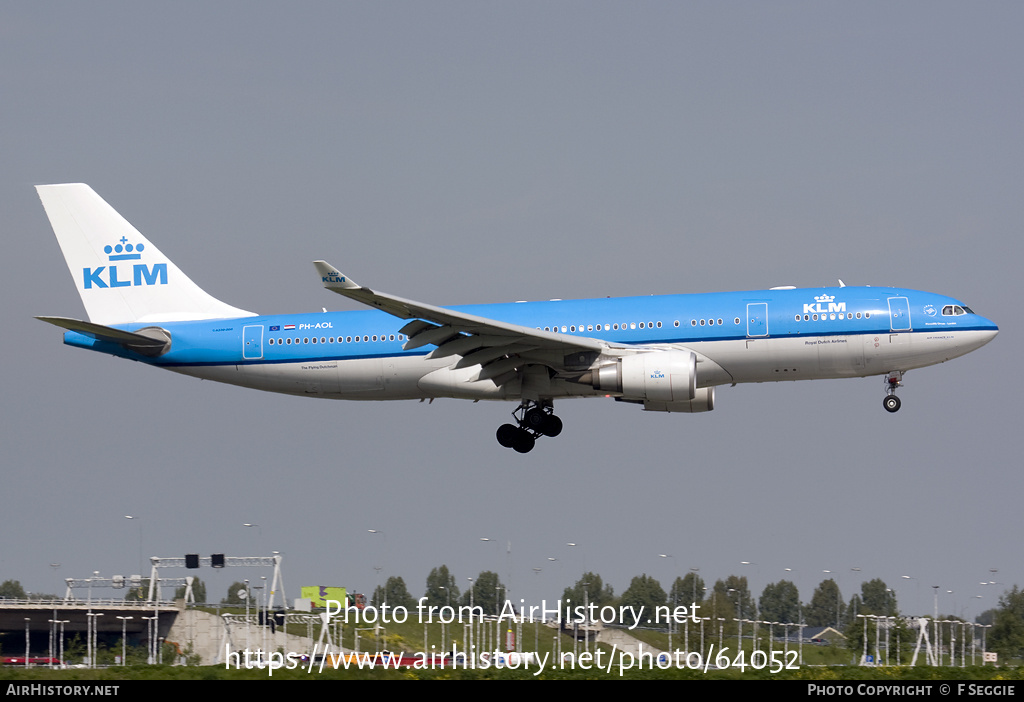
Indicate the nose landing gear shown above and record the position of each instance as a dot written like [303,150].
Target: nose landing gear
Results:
[892,381]
[533,420]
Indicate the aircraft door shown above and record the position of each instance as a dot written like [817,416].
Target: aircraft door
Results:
[899,314]
[757,319]
[252,342]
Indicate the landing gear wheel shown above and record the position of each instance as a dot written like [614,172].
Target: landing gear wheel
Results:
[507,434]
[893,380]
[534,418]
[552,426]
[524,441]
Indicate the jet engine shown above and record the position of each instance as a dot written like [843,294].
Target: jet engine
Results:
[663,381]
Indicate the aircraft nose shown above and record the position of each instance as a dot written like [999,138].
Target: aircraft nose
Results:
[988,333]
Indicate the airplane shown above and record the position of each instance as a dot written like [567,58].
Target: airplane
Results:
[663,353]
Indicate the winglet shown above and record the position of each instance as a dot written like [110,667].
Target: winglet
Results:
[332,278]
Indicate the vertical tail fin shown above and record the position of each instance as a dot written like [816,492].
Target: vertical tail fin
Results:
[119,274]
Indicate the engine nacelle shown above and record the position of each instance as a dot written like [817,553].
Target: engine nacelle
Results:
[704,401]
[655,376]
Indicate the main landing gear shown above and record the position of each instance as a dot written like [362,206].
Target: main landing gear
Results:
[533,419]
[892,381]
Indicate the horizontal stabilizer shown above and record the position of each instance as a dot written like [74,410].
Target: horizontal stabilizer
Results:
[153,342]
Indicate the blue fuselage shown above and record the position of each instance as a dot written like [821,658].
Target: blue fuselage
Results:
[752,336]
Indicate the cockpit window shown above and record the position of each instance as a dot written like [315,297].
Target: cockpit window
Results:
[955,311]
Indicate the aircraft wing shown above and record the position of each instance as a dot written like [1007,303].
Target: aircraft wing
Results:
[499,347]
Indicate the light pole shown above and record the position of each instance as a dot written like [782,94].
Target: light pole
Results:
[124,633]
[379,568]
[675,598]
[739,618]
[150,656]
[485,539]
[60,654]
[910,577]
[838,595]
[56,568]
[138,522]
[259,533]
[444,638]
[93,638]
[693,605]
[245,595]
[852,597]
[753,623]
[586,600]
[471,652]
[262,609]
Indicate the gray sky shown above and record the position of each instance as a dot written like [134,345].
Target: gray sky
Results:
[487,152]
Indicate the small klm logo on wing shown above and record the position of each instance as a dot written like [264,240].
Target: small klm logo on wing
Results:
[107,276]
[334,277]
